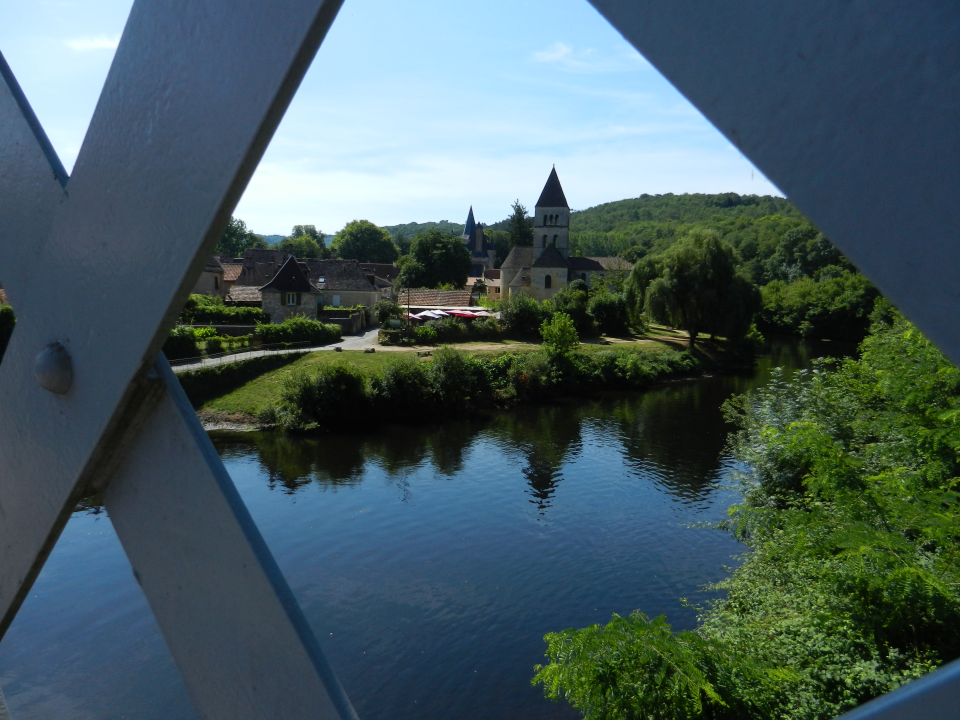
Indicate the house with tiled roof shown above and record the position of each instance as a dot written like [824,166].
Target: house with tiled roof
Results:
[290,293]
[546,268]
[427,299]
[210,281]
[342,283]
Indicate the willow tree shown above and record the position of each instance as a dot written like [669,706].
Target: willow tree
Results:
[695,285]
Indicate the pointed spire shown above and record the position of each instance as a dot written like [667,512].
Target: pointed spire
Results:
[471,226]
[552,195]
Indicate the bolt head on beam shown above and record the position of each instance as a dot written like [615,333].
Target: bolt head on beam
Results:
[53,369]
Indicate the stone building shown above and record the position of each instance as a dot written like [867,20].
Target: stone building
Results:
[546,268]
[210,281]
[342,283]
[290,293]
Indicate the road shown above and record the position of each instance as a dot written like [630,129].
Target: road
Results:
[363,341]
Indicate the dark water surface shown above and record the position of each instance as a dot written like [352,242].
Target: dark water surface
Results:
[429,561]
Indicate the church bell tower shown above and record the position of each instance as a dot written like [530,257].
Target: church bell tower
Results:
[551,221]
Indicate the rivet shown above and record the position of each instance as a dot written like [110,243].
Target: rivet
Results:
[54,369]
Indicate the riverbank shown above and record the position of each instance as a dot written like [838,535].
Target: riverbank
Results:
[487,375]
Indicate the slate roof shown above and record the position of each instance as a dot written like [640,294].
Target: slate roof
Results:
[551,258]
[213,265]
[552,195]
[424,297]
[338,275]
[259,266]
[382,270]
[522,278]
[585,263]
[470,227]
[520,256]
[616,264]
[290,278]
[244,293]
[231,271]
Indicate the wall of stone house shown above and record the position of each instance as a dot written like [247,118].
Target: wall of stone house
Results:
[558,277]
[350,298]
[274,305]
[506,277]
[210,283]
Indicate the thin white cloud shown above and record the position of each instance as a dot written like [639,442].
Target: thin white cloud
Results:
[100,42]
[587,60]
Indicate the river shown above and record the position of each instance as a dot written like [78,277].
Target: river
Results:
[430,561]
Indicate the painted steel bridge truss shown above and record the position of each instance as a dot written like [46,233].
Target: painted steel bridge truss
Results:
[851,108]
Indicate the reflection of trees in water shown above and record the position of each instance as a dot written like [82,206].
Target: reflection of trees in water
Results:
[547,437]
[292,462]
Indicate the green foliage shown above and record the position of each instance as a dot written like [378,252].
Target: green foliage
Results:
[453,383]
[695,286]
[635,667]
[237,238]
[210,309]
[436,257]
[836,305]
[211,382]
[181,344]
[426,335]
[574,300]
[387,309]
[519,227]
[610,313]
[299,329]
[304,246]
[333,398]
[802,252]
[7,322]
[559,334]
[523,315]
[851,587]
[362,240]
[403,234]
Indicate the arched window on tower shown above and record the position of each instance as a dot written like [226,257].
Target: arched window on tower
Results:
[545,219]
[555,240]
[547,282]
[544,241]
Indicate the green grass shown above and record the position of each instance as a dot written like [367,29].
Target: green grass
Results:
[257,394]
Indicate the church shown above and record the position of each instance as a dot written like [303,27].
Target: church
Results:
[544,269]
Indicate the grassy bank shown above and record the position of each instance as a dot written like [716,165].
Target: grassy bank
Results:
[656,358]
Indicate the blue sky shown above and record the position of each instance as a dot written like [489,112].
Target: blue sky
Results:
[415,111]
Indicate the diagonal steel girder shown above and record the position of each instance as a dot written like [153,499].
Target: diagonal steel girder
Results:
[184,117]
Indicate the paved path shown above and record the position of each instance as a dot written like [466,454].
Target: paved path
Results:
[351,342]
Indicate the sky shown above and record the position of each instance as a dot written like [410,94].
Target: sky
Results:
[415,111]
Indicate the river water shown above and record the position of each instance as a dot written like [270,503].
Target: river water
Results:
[430,561]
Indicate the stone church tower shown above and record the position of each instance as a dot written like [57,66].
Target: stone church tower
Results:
[551,220]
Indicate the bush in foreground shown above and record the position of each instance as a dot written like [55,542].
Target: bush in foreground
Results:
[299,329]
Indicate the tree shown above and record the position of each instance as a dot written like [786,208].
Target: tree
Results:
[436,257]
[802,251]
[362,240]
[519,229]
[310,230]
[304,246]
[237,238]
[559,334]
[695,285]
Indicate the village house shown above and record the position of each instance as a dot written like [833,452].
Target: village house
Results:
[210,281]
[290,293]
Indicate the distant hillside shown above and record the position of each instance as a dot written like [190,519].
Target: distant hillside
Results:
[412,228]
[650,223]
[271,239]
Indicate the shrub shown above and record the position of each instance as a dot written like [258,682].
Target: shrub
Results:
[208,309]
[459,381]
[559,335]
[214,345]
[573,301]
[181,344]
[523,315]
[334,398]
[202,333]
[387,309]
[610,313]
[404,390]
[485,329]
[299,329]
[426,334]
[7,322]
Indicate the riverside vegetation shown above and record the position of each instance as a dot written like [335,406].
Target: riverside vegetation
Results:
[850,585]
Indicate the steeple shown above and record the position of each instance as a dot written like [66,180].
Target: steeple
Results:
[470,228]
[552,195]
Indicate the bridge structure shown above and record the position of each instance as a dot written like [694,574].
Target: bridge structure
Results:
[851,108]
